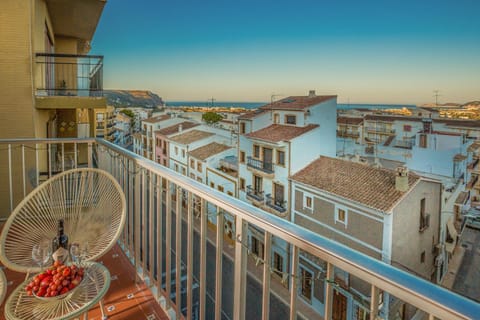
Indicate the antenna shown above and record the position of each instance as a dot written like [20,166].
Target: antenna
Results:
[436,95]
[212,100]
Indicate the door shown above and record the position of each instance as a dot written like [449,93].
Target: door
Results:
[339,306]
[276,118]
[257,184]
[267,158]
[279,194]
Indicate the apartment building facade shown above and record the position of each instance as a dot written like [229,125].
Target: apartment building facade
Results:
[162,143]
[393,216]
[49,84]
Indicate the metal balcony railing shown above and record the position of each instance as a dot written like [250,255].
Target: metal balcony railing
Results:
[69,75]
[380,130]
[348,134]
[158,229]
[257,195]
[266,167]
[277,205]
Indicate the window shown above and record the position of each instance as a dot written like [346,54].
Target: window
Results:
[242,184]
[276,118]
[212,185]
[341,215]
[422,257]
[176,167]
[199,166]
[256,151]
[242,127]
[290,119]
[183,153]
[423,140]
[192,176]
[184,171]
[242,157]
[280,157]
[307,202]
[192,163]
[176,151]
[277,263]
[230,193]
[307,279]
[257,247]
[220,188]
[424,217]
[165,162]
[199,179]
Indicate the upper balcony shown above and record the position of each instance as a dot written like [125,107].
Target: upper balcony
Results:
[279,206]
[260,166]
[174,238]
[348,134]
[65,81]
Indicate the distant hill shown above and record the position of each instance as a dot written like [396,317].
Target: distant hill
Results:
[133,98]
[472,103]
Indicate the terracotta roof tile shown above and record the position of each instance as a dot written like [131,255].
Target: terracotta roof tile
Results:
[349,120]
[278,132]
[191,136]
[369,186]
[252,114]
[174,129]
[208,150]
[157,119]
[296,102]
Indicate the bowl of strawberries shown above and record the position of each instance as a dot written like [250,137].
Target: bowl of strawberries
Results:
[57,282]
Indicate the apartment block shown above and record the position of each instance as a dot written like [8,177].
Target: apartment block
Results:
[390,215]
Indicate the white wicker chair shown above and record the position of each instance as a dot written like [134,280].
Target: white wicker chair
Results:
[90,201]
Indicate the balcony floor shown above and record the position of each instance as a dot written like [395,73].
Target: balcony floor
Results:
[117,305]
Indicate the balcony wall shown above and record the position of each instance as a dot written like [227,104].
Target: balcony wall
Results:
[166,231]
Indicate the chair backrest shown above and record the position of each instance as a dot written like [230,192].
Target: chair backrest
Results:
[91,203]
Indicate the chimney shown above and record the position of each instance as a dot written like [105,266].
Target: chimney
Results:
[311,94]
[401,179]
[180,128]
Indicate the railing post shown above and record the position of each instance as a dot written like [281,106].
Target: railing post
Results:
[10,179]
[178,253]
[240,269]
[329,292]
[267,253]
[293,284]
[218,265]
[203,258]
[90,155]
[374,292]
[189,254]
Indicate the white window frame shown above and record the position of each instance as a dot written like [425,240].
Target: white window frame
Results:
[304,203]
[345,209]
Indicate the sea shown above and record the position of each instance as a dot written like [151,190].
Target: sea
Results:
[254,105]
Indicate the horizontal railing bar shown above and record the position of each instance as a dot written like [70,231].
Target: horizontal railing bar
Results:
[67,55]
[47,140]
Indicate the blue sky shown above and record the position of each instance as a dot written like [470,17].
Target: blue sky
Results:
[364,51]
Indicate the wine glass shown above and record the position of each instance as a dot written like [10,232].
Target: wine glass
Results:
[85,251]
[75,253]
[41,252]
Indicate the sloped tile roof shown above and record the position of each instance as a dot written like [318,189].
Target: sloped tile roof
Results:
[278,132]
[296,102]
[360,183]
[157,119]
[349,120]
[208,150]
[191,136]
[174,129]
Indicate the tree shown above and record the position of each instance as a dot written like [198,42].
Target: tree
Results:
[128,113]
[211,117]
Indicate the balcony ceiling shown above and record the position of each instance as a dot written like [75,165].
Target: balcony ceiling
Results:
[74,18]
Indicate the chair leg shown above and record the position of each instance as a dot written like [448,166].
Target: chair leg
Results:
[102,309]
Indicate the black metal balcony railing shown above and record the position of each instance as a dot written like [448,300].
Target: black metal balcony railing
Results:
[276,204]
[266,167]
[69,75]
[348,134]
[163,235]
[255,194]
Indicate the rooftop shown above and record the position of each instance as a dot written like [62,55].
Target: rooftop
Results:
[252,114]
[278,132]
[369,186]
[298,103]
[208,150]
[474,147]
[448,122]
[175,128]
[157,119]
[349,120]
[191,136]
